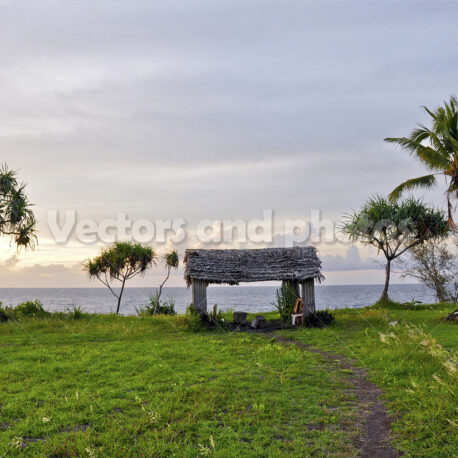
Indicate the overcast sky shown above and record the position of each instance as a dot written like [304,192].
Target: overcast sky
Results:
[204,109]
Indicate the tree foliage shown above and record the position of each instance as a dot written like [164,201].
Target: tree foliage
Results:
[172,261]
[435,266]
[121,262]
[437,149]
[16,216]
[394,227]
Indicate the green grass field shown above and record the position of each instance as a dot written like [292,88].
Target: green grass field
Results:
[128,386]
[413,360]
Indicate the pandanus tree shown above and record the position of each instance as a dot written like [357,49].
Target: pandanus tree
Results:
[120,262]
[172,261]
[437,148]
[16,216]
[394,228]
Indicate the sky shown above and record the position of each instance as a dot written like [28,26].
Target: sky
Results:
[213,110]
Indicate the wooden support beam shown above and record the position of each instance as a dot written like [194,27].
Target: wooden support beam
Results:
[308,297]
[199,294]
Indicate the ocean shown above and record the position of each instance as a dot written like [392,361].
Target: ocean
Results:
[243,298]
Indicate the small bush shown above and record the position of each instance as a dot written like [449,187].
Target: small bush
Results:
[286,298]
[197,320]
[191,319]
[31,309]
[319,319]
[6,313]
[165,307]
[74,313]
[215,318]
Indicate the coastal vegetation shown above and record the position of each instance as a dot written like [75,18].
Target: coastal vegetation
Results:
[171,261]
[434,265]
[17,219]
[35,309]
[121,262]
[437,149]
[394,228]
[132,386]
[286,298]
[164,307]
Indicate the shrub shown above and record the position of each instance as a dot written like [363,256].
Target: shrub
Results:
[31,309]
[198,320]
[319,319]
[6,313]
[74,313]
[191,319]
[165,307]
[286,298]
[215,318]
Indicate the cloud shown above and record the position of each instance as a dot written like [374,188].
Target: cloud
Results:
[351,261]
[10,262]
[38,276]
[58,275]
[210,109]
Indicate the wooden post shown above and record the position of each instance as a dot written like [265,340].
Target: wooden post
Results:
[199,294]
[308,297]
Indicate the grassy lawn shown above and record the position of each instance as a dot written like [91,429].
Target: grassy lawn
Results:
[109,386]
[128,386]
[413,360]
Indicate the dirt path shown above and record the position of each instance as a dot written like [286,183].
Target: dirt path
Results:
[374,421]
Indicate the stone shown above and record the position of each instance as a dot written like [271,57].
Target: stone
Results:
[240,317]
[258,322]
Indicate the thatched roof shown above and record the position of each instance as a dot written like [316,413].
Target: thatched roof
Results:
[236,266]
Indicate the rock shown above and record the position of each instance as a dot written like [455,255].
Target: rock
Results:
[240,317]
[258,322]
[453,316]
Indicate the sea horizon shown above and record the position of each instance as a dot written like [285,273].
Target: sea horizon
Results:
[244,285]
[251,298]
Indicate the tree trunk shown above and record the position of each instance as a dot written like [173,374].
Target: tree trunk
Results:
[384,296]
[119,297]
[441,293]
[158,295]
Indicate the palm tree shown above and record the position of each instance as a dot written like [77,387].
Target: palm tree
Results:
[437,148]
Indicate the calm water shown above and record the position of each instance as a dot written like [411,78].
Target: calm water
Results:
[244,298]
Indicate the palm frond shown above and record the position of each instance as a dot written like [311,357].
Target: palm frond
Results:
[426,181]
[434,159]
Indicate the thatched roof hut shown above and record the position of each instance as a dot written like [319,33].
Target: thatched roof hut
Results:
[232,267]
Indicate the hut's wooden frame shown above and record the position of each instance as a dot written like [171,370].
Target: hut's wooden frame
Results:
[298,266]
